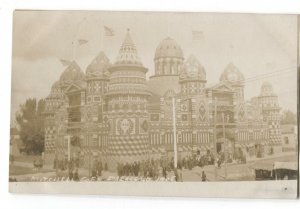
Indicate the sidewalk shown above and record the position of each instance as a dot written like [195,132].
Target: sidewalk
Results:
[276,155]
[30,165]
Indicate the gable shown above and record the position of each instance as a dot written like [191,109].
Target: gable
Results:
[222,87]
[73,87]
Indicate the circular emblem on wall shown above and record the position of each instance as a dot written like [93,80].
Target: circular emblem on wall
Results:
[125,126]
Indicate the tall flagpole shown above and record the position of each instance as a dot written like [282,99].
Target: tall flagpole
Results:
[225,145]
[69,148]
[215,135]
[174,133]
[102,38]
[73,49]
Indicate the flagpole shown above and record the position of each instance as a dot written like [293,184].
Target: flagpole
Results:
[168,27]
[174,133]
[73,50]
[69,148]
[102,39]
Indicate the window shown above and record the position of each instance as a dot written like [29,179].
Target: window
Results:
[184,117]
[154,117]
[286,140]
[95,142]
[97,99]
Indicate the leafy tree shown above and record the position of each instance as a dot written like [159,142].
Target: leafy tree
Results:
[30,120]
[288,117]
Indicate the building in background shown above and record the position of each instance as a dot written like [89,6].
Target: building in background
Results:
[113,113]
[16,144]
[289,138]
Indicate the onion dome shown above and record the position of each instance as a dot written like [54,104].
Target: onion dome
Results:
[98,67]
[193,70]
[232,74]
[266,89]
[168,48]
[71,74]
[128,54]
[56,91]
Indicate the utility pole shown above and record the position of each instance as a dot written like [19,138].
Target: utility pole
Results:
[215,135]
[225,145]
[56,163]
[69,148]
[174,133]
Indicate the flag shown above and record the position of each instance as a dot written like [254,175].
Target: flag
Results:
[82,41]
[65,62]
[108,31]
[197,35]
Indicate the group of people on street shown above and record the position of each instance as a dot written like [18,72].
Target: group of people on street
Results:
[71,166]
[150,168]
[147,168]
[37,164]
[97,168]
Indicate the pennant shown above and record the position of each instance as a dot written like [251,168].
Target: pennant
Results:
[108,31]
[65,62]
[82,41]
[197,35]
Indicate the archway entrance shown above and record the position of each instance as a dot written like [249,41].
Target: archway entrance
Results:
[220,147]
[225,143]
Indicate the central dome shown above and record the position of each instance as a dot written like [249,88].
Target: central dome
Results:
[168,58]
[168,48]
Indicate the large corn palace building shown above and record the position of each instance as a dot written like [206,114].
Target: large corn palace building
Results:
[114,113]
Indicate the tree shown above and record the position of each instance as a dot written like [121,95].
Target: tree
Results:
[288,117]
[30,120]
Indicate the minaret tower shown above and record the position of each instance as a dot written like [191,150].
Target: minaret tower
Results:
[271,112]
[127,107]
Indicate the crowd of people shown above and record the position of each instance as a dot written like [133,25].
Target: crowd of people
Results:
[150,168]
[154,168]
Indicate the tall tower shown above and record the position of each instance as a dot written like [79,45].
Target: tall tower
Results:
[194,104]
[192,83]
[168,61]
[56,113]
[168,58]
[232,108]
[235,79]
[127,107]
[270,109]
[192,78]
[97,78]
[54,101]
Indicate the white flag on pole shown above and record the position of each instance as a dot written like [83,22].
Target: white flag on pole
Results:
[197,35]
[82,41]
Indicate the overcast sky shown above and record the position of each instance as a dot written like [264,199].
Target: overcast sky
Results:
[256,44]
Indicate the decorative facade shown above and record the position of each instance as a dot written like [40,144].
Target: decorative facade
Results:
[114,113]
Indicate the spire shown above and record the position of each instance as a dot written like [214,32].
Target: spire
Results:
[128,53]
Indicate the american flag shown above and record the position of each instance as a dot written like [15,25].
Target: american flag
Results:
[197,35]
[65,62]
[82,41]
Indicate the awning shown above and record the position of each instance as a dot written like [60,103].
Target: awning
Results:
[286,165]
[263,166]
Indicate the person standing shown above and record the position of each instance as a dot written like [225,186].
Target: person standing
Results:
[203,177]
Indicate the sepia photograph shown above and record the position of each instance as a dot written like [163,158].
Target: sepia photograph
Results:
[159,98]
